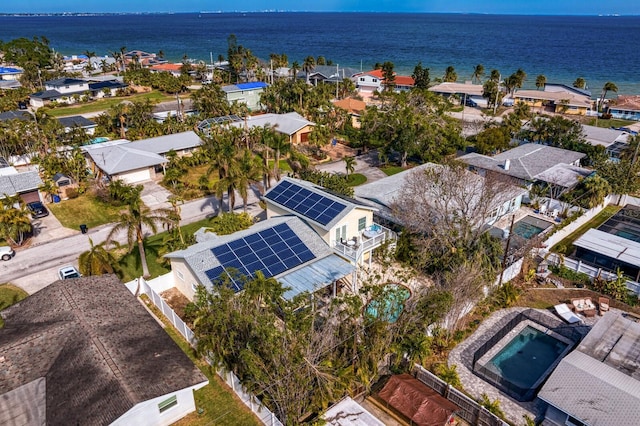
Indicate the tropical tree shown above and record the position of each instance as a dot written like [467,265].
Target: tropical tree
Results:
[478,72]
[580,83]
[491,406]
[133,222]
[541,80]
[450,74]
[349,164]
[597,188]
[421,76]
[608,87]
[15,220]
[308,65]
[249,171]
[97,260]
[295,67]
[388,76]
[280,145]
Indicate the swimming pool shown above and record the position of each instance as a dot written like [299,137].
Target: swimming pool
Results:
[527,358]
[98,140]
[390,303]
[529,226]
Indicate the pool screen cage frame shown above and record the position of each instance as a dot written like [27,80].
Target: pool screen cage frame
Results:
[571,332]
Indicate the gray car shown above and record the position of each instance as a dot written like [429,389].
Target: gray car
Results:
[6,253]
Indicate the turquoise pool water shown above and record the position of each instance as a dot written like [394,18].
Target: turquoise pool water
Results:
[98,140]
[526,358]
[390,304]
[528,227]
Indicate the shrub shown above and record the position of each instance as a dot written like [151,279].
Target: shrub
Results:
[569,274]
[72,193]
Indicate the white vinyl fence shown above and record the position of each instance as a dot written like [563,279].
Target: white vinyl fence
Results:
[251,401]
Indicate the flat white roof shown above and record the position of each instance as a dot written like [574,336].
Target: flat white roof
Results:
[347,412]
[610,245]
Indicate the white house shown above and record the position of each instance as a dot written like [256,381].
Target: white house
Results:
[85,351]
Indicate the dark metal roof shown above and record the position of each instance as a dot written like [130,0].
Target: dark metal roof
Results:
[76,120]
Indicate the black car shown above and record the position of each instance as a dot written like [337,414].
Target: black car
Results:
[37,209]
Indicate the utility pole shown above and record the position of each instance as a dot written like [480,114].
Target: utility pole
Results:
[495,104]
[506,250]
[337,79]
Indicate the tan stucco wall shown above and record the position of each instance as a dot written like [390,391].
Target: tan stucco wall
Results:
[184,284]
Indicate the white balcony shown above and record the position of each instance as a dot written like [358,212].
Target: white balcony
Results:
[370,238]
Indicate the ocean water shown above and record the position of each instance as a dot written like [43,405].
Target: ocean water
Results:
[597,48]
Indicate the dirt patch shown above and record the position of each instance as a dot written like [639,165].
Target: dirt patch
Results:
[338,151]
[176,300]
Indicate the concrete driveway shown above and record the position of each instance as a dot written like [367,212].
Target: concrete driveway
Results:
[154,195]
[48,229]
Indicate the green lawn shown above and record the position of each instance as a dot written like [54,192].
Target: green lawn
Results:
[107,103]
[391,170]
[216,402]
[283,164]
[86,209]
[612,122]
[130,265]
[10,294]
[564,246]
[356,179]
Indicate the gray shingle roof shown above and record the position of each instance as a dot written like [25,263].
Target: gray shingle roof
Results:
[20,182]
[526,161]
[64,82]
[23,115]
[116,159]
[284,123]
[99,351]
[602,136]
[76,120]
[166,143]
[598,383]
[46,94]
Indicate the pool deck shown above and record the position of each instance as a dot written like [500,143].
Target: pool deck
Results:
[462,357]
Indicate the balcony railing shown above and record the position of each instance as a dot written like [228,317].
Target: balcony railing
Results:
[370,238]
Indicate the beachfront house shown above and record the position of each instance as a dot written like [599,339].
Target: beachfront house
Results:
[284,248]
[343,223]
[383,195]
[599,382]
[625,107]
[173,69]
[371,81]
[557,98]
[614,141]
[70,90]
[85,351]
[10,73]
[245,93]
[328,74]
[467,93]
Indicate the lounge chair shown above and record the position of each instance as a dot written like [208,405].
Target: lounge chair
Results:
[566,314]
[603,304]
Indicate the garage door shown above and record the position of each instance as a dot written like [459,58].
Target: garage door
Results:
[30,197]
[135,176]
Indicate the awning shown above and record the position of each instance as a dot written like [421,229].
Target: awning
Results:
[315,276]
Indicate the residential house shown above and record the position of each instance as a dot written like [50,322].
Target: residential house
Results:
[625,107]
[345,224]
[470,94]
[599,382]
[107,88]
[141,160]
[173,69]
[10,73]
[86,351]
[78,121]
[530,163]
[180,109]
[143,58]
[292,124]
[24,184]
[18,114]
[328,74]
[284,248]
[372,81]
[354,107]
[383,195]
[614,141]
[557,98]
[245,93]
[68,90]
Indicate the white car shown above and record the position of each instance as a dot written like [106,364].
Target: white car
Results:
[67,272]
[6,253]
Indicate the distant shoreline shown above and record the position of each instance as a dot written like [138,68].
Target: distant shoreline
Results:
[213,12]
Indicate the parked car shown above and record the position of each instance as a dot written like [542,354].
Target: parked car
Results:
[67,272]
[37,209]
[6,253]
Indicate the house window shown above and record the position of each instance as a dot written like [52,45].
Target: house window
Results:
[341,233]
[362,223]
[180,275]
[168,403]
[361,78]
[375,80]
[194,286]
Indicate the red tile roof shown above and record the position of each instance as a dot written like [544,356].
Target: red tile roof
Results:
[166,67]
[630,102]
[401,80]
[351,105]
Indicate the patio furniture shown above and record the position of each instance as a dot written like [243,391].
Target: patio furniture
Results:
[566,314]
[584,306]
[543,209]
[603,304]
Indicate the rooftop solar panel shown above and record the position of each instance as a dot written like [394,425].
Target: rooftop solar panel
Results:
[272,251]
[305,202]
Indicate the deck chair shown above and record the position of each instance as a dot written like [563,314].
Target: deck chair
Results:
[566,314]
[603,304]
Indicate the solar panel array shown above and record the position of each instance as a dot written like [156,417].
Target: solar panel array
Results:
[310,204]
[271,251]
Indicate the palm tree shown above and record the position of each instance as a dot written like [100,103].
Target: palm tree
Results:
[449,374]
[541,80]
[15,221]
[133,221]
[295,67]
[249,171]
[97,260]
[478,72]
[350,165]
[308,65]
[608,86]
[491,406]
[280,144]
[580,83]
[222,157]
[450,75]
[597,189]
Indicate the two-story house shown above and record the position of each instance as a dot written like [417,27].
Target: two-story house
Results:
[345,224]
[371,81]
[245,93]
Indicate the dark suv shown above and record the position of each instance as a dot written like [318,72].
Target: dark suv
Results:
[37,209]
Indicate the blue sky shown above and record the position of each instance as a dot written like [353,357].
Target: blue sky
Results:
[527,7]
